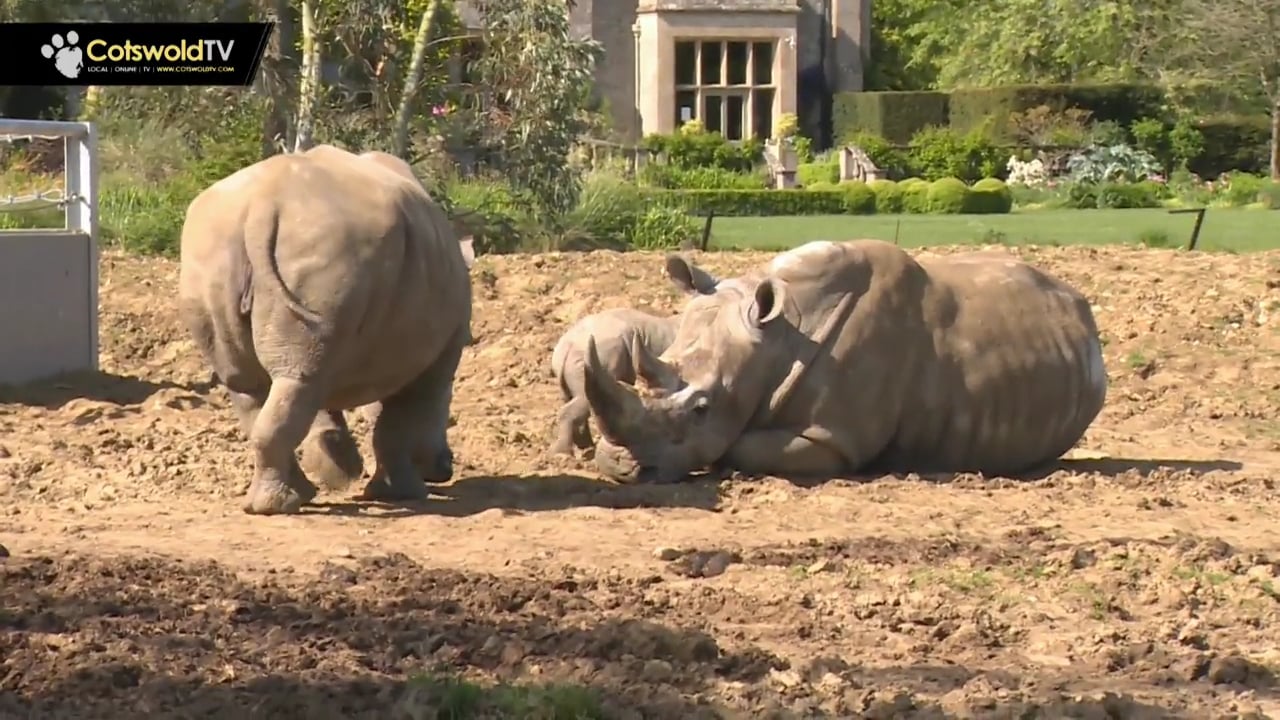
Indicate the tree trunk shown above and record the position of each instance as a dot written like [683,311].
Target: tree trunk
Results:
[400,148]
[1275,140]
[309,83]
[275,78]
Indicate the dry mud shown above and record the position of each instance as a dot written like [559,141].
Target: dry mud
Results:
[1139,580]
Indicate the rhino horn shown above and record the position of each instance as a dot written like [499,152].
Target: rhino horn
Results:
[650,367]
[617,408]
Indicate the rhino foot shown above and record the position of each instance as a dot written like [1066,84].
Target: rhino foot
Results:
[382,489]
[269,496]
[333,459]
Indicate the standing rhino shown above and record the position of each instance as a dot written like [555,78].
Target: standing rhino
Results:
[837,358]
[318,282]
[617,332]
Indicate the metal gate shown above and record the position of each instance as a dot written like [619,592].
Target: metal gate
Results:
[49,276]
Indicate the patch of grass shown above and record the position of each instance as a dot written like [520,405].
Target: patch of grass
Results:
[965,581]
[1155,238]
[1099,604]
[1223,230]
[443,697]
[1136,360]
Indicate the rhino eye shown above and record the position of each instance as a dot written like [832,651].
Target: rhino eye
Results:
[701,405]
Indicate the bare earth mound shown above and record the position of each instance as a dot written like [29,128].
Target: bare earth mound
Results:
[1142,579]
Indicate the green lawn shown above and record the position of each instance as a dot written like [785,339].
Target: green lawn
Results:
[1238,230]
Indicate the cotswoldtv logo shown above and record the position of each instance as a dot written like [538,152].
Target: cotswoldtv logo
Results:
[134,53]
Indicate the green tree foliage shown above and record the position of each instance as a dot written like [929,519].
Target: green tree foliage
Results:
[923,44]
[537,80]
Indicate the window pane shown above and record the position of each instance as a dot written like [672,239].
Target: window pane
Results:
[686,106]
[713,113]
[711,52]
[687,63]
[762,62]
[737,52]
[762,114]
[735,120]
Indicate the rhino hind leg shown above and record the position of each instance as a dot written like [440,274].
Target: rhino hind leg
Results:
[330,454]
[276,425]
[785,453]
[573,427]
[410,443]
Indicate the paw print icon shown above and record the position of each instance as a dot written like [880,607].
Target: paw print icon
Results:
[67,58]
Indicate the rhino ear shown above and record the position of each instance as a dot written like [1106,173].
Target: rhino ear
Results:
[468,250]
[691,279]
[766,306]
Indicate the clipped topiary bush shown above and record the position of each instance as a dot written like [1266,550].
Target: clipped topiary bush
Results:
[859,198]
[948,195]
[915,196]
[820,185]
[990,196]
[888,195]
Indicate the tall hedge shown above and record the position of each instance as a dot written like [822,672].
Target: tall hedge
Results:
[1119,102]
[1233,142]
[895,115]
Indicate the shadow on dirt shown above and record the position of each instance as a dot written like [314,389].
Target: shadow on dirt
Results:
[1110,467]
[532,493]
[146,637]
[55,392]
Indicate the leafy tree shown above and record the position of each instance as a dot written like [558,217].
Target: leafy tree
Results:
[1227,42]
[536,82]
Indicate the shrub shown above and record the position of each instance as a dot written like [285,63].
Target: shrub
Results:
[1115,195]
[1242,189]
[891,160]
[1269,194]
[760,203]
[939,152]
[820,185]
[662,227]
[1232,143]
[607,212]
[859,198]
[915,197]
[990,196]
[1185,142]
[699,178]
[894,115]
[696,148]
[888,196]
[1123,196]
[495,214]
[1119,102]
[818,172]
[1150,136]
[948,195]
[1116,163]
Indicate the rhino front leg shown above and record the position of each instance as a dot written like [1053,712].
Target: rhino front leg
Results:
[329,452]
[275,426]
[573,428]
[784,453]
[412,425]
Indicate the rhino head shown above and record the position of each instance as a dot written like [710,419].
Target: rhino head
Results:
[708,383]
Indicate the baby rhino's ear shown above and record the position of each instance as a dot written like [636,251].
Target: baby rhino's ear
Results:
[691,279]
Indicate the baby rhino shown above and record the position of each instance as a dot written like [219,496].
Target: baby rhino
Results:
[616,332]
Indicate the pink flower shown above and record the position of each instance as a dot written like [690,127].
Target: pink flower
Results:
[1157,178]
[439,110]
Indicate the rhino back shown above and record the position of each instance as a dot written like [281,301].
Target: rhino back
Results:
[363,248]
[1016,375]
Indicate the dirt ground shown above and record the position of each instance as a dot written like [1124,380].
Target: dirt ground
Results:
[1141,580]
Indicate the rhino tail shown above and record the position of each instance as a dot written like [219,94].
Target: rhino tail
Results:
[260,245]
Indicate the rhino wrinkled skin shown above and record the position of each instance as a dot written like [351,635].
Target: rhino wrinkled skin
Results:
[319,282]
[615,331]
[840,358]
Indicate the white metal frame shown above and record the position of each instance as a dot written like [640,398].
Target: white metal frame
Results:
[79,201]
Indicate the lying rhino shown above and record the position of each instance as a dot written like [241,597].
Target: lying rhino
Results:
[839,358]
[616,334]
[318,282]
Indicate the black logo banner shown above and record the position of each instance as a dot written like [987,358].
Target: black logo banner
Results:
[77,53]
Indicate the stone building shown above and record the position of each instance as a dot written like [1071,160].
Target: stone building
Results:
[736,65]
